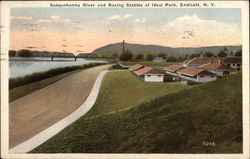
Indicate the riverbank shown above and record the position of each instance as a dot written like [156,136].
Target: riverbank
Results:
[37,111]
[19,81]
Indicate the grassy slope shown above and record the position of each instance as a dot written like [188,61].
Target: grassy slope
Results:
[149,63]
[123,89]
[21,91]
[175,123]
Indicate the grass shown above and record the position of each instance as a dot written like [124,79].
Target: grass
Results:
[19,81]
[175,123]
[23,90]
[123,89]
[149,63]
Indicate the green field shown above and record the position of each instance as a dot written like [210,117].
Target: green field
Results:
[123,89]
[177,122]
[149,63]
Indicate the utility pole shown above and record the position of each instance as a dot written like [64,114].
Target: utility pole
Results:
[123,45]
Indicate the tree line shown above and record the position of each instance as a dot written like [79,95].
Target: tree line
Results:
[127,55]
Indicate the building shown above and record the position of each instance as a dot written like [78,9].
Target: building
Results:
[196,75]
[159,59]
[154,75]
[148,74]
[234,62]
[217,68]
[136,67]
[172,70]
[142,71]
[198,61]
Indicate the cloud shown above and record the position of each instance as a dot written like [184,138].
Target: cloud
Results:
[20,18]
[127,16]
[140,20]
[30,47]
[193,31]
[119,17]
[54,18]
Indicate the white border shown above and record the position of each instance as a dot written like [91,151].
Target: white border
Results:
[5,11]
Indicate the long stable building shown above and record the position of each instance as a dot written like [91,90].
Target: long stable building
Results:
[148,74]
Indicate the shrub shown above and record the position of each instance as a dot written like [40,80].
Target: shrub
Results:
[126,56]
[149,57]
[172,59]
[139,57]
[24,53]
[12,53]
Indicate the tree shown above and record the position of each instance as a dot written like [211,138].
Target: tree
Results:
[139,57]
[209,54]
[24,53]
[114,55]
[222,53]
[12,53]
[172,59]
[149,57]
[180,59]
[126,56]
[194,55]
[238,53]
[162,55]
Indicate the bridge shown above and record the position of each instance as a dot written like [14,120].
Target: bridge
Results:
[53,54]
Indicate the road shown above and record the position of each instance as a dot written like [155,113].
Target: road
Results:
[39,110]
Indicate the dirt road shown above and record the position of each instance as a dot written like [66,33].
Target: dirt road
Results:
[39,110]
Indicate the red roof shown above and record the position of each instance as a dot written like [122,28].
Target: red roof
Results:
[155,71]
[136,67]
[173,68]
[214,66]
[143,70]
[233,60]
[202,61]
[194,71]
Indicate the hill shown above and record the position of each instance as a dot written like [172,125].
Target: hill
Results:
[156,49]
[195,120]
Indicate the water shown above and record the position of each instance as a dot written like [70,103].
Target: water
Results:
[20,66]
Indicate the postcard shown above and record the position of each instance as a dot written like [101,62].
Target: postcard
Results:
[125,79]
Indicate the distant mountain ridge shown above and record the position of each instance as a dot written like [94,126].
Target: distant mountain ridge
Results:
[156,49]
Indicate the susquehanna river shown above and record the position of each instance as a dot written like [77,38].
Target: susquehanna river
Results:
[24,66]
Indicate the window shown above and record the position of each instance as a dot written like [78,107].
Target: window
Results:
[212,76]
[228,64]
[149,75]
[233,64]
[238,64]
[201,76]
[158,75]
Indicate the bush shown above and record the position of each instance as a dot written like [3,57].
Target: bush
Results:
[126,56]
[149,57]
[15,82]
[162,55]
[139,57]
[172,59]
[24,53]
[12,53]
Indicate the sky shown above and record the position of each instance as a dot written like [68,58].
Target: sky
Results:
[82,30]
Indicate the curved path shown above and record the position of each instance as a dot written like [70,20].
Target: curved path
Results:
[41,121]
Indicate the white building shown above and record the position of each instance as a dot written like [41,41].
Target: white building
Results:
[217,68]
[159,59]
[172,70]
[234,62]
[198,61]
[154,76]
[196,75]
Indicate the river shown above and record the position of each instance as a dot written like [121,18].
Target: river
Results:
[20,66]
